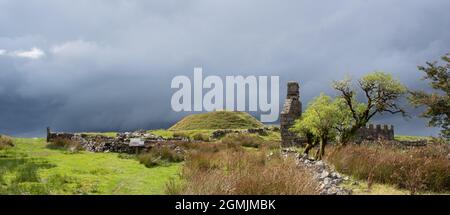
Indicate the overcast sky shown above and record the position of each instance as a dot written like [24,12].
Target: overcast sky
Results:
[107,65]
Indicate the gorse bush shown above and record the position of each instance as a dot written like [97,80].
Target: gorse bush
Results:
[5,142]
[233,170]
[159,156]
[418,169]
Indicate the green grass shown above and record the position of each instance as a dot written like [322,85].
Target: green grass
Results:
[410,138]
[161,132]
[217,120]
[271,135]
[183,133]
[106,134]
[32,168]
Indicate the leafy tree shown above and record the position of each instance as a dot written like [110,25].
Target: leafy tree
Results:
[319,123]
[305,131]
[437,102]
[381,93]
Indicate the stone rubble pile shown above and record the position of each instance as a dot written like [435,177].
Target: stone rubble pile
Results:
[327,177]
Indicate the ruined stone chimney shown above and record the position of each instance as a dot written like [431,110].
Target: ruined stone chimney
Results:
[292,110]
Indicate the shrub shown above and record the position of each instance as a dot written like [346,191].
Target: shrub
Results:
[253,173]
[200,137]
[417,169]
[159,156]
[67,144]
[246,140]
[181,135]
[5,142]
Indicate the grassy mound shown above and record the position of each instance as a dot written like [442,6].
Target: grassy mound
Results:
[217,120]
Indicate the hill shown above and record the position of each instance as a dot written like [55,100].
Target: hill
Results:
[217,120]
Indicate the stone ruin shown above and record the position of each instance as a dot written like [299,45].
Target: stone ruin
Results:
[375,132]
[120,143]
[292,110]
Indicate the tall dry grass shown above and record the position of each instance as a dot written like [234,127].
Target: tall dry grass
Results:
[417,169]
[159,156]
[5,142]
[66,144]
[230,169]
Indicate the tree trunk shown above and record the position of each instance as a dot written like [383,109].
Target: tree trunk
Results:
[321,151]
[316,156]
[311,142]
[308,147]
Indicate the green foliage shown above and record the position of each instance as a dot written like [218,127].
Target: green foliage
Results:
[217,120]
[382,93]
[319,118]
[324,119]
[437,102]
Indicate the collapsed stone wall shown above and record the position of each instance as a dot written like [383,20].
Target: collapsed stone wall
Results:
[292,110]
[120,143]
[375,132]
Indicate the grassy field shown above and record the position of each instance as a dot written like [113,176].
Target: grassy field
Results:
[217,120]
[106,134]
[194,134]
[31,168]
[410,138]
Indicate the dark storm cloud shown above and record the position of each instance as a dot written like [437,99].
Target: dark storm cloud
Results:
[107,65]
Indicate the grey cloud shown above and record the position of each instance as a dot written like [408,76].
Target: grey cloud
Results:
[108,64]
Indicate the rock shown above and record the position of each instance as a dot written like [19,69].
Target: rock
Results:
[336,181]
[324,174]
[320,163]
[335,175]
[327,181]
